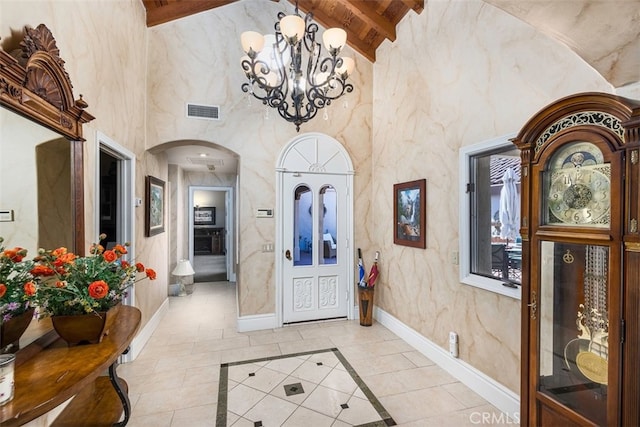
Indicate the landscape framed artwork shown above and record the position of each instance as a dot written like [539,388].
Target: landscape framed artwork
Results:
[154,198]
[409,206]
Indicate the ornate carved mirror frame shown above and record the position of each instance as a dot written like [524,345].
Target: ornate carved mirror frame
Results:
[34,84]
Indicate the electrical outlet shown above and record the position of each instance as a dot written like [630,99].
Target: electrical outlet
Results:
[453,344]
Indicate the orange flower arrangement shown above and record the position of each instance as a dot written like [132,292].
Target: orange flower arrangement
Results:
[68,284]
[17,290]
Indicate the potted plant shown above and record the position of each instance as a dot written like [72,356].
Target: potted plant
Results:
[17,294]
[92,286]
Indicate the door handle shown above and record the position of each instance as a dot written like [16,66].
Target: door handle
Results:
[533,306]
[287,254]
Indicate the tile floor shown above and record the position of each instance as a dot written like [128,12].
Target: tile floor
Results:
[175,381]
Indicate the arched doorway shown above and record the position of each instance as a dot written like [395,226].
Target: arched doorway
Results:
[314,265]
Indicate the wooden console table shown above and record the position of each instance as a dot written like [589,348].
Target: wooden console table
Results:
[48,373]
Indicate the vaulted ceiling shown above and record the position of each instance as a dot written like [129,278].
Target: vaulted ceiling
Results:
[367,22]
[605,33]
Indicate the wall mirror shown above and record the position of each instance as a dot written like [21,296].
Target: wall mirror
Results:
[41,144]
[41,160]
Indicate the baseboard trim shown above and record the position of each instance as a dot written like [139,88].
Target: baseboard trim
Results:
[493,392]
[257,322]
[144,334]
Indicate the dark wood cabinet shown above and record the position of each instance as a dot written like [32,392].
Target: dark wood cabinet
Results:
[208,240]
[580,255]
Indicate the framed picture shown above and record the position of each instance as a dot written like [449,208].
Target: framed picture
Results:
[154,198]
[409,203]
[204,215]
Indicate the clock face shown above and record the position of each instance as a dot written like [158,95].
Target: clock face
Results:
[579,188]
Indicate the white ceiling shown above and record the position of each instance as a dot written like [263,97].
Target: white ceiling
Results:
[203,159]
[605,33]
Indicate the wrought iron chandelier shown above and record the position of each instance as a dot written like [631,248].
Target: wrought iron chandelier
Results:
[273,65]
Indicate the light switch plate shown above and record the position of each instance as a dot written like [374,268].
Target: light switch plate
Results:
[264,213]
[6,215]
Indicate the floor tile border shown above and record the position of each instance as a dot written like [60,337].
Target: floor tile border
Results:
[223,388]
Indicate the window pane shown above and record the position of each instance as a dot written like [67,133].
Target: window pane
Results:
[496,246]
[303,226]
[327,219]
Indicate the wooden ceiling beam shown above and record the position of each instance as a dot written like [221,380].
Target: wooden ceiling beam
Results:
[170,10]
[416,5]
[327,21]
[367,22]
[364,10]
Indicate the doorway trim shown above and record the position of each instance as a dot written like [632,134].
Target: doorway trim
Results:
[126,208]
[301,154]
[126,193]
[229,236]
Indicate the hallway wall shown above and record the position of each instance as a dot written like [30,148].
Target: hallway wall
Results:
[203,41]
[103,44]
[477,73]
[212,199]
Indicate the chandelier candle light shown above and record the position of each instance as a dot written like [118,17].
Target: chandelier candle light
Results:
[273,64]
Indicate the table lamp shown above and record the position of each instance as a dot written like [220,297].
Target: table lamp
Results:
[184,272]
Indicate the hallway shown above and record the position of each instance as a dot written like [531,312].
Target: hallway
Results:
[175,380]
[209,268]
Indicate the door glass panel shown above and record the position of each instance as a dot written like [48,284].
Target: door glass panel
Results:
[574,327]
[302,226]
[328,228]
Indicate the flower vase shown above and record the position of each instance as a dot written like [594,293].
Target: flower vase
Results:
[11,330]
[88,328]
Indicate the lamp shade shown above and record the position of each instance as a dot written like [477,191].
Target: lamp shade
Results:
[320,79]
[346,68]
[292,28]
[334,39]
[183,268]
[252,42]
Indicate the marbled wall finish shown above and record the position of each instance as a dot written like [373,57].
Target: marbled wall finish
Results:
[210,43]
[459,73]
[177,244]
[104,46]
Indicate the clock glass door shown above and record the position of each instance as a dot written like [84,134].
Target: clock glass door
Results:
[573,350]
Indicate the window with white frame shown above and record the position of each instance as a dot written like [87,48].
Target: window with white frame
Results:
[490,242]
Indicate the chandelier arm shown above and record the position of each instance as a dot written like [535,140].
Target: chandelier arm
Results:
[310,33]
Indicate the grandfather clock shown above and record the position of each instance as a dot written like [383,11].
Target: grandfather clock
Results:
[581,263]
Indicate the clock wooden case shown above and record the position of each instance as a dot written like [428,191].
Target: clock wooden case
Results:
[581,263]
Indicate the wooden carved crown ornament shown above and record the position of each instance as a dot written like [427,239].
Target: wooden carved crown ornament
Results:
[34,83]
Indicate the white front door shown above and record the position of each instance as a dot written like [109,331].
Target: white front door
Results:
[315,246]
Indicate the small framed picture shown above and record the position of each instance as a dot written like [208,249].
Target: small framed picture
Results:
[409,201]
[154,202]
[204,215]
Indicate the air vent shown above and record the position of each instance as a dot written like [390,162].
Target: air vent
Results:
[208,112]
[206,161]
